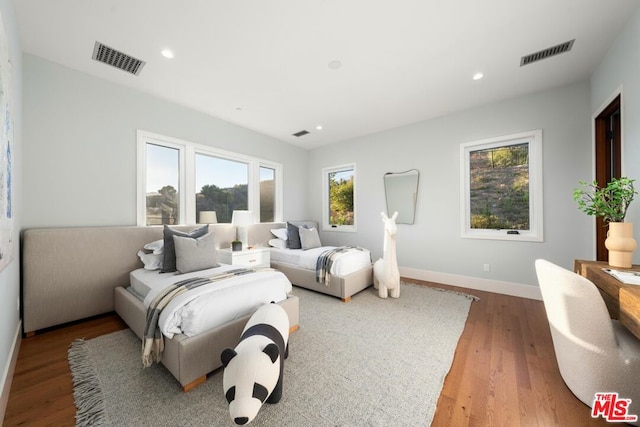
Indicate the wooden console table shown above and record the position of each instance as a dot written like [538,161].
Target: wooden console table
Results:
[622,300]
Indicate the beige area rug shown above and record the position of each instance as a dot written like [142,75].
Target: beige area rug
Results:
[369,362]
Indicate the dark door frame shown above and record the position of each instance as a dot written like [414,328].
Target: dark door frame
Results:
[608,159]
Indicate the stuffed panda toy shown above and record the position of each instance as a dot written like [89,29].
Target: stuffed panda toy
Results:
[253,370]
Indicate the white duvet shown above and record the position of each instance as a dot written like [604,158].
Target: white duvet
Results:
[343,264]
[219,302]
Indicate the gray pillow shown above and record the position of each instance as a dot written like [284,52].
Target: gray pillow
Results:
[195,254]
[169,262]
[309,238]
[293,239]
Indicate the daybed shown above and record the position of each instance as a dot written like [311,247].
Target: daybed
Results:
[75,273]
[341,286]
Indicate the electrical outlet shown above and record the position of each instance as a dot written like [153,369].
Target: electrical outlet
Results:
[18,304]
[486,267]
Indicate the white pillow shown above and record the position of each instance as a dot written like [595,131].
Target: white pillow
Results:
[278,243]
[309,238]
[280,233]
[151,261]
[156,247]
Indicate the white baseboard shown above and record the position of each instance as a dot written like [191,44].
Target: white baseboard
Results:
[7,375]
[496,286]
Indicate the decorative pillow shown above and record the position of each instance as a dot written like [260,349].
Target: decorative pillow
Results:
[309,238]
[155,247]
[278,243]
[169,260]
[195,254]
[293,236]
[151,261]
[280,233]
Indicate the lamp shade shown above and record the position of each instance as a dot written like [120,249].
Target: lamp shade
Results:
[208,217]
[242,218]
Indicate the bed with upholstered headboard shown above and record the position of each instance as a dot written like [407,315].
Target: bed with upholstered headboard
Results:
[70,274]
[343,286]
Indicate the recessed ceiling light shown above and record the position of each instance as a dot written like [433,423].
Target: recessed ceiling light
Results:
[319,127]
[167,53]
[335,64]
[478,76]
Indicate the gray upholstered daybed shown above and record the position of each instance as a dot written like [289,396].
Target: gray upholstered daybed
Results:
[75,273]
[343,287]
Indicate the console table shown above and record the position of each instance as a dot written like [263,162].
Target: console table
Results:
[622,300]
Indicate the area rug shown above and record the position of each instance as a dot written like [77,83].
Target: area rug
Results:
[371,361]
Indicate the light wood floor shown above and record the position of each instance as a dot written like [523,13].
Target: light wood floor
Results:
[504,372]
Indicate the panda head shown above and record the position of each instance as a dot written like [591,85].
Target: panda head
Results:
[250,375]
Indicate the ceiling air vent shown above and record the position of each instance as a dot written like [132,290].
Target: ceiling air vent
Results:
[109,56]
[546,53]
[301,133]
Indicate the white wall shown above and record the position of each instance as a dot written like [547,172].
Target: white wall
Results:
[621,68]
[433,243]
[80,147]
[10,276]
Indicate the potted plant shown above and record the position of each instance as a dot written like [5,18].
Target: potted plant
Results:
[611,203]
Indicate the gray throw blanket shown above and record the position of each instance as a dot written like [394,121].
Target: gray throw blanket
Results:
[326,259]
[153,341]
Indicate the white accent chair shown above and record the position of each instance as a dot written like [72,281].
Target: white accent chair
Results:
[594,353]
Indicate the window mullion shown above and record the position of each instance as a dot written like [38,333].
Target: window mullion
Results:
[188,186]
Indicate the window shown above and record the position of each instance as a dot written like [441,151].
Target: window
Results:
[501,194]
[163,182]
[179,180]
[267,194]
[339,211]
[222,186]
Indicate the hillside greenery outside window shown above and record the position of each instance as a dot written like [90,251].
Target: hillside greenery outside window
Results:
[338,198]
[501,194]
[178,180]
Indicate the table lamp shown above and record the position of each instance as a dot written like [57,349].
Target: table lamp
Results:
[242,219]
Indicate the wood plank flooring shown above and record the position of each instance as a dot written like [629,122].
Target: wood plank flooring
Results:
[504,371]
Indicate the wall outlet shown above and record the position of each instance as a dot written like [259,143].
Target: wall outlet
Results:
[18,304]
[486,267]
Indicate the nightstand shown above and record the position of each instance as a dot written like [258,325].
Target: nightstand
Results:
[254,258]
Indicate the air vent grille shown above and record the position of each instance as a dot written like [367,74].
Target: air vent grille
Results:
[115,58]
[301,133]
[546,53]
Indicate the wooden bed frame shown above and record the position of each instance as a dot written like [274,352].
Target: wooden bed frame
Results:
[343,287]
[70,274]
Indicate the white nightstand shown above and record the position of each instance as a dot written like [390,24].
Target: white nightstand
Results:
[254,258]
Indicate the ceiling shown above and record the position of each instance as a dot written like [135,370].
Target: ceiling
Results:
[267,65]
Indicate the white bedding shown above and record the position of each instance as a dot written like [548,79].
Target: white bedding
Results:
[343,264]
[211,305]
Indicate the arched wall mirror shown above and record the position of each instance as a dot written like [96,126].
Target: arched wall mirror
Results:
[401,191]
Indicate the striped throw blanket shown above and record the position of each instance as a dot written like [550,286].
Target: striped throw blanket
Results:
[326,259]
[153,341]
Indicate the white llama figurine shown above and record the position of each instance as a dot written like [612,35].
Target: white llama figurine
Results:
[386,277]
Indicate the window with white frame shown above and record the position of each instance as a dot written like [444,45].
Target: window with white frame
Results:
[501,187]
[180,182]
[338,198]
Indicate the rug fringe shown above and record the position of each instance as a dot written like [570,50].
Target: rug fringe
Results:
[464,294]
[87,392]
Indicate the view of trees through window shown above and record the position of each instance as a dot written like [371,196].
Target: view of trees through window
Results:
[163,177]
[499,187]
[341,197]
[267,194]
[223,185]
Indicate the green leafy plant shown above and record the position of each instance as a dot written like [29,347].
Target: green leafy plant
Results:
[609,202]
